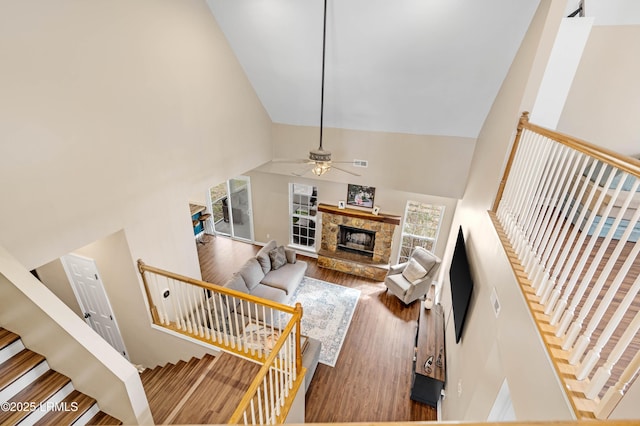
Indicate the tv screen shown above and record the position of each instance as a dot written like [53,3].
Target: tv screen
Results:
[360,196]
[461,284]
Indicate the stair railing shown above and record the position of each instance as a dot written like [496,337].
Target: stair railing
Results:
[567,213]
[253,328]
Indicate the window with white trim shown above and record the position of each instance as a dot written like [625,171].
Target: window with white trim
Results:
[420,228]
[303,209]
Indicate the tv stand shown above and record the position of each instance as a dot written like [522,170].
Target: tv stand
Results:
[429,365]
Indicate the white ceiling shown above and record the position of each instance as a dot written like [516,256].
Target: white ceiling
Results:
[408,66]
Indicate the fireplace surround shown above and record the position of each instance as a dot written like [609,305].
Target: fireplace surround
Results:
[356,241]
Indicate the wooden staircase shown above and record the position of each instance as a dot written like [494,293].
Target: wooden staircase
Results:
[200,391]
[38,395]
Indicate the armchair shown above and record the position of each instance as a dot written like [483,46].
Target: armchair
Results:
[411,280]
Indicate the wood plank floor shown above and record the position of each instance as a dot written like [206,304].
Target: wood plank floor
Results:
[201,391]
[372,379]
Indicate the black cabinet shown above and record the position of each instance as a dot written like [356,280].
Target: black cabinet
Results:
[429,366]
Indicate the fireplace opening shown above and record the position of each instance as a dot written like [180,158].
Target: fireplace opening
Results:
[356,240]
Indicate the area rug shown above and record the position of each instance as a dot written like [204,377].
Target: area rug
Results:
[327,312]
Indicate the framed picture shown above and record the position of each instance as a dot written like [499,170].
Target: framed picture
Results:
[360,195]
[341,205]
[376,210]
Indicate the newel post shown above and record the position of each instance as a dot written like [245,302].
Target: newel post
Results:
[524,119]
[154,311]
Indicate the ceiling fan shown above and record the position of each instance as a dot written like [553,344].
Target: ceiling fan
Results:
[319,159]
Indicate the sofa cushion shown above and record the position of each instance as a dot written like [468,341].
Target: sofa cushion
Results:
[286,278]
[252,273]
[414,271]
[397,283]
[236,282]
[263,256]
[271,293]
[278,257]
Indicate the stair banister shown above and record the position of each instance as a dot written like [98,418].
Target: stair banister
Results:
[550,214]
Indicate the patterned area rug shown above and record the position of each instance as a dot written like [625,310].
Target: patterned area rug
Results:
[327,312]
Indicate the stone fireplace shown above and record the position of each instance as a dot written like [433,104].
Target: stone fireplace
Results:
[356,242]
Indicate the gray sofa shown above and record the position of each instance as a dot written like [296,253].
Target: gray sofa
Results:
[270,276]
[273,280]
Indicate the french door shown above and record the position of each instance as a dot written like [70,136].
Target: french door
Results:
[231,208]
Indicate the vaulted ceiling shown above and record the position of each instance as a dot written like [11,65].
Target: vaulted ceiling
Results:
[428,67]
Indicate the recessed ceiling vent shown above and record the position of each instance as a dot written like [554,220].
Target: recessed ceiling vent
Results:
[361,163]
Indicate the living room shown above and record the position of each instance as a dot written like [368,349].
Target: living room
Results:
[176,131]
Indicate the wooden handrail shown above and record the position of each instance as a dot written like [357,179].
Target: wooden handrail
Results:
[523,120]
[142,267]
[628,164]
[269,360]
[248,396]
[532,220]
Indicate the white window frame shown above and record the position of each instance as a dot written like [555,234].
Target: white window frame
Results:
[404,234]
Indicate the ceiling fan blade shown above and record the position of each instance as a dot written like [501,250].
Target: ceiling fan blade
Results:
[344,170]
[292,161]
[302,173]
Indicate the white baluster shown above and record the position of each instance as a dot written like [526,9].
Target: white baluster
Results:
[549,176]
[545,243]
[604,371]
[528,196]
[570,267]
[596,288]
[594,354]
[556,260]
[615,393]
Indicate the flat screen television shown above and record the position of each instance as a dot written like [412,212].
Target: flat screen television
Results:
[461,284]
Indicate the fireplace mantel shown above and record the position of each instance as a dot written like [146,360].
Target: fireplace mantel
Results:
[374,265]
[360,214]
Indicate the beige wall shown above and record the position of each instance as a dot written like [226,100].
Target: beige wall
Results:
[271,211]
[507,347]
[603,105]
[120,278]
[424,164]
[112,114]
[47,327]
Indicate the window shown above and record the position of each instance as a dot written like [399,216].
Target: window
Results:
[303,209]
[420,228]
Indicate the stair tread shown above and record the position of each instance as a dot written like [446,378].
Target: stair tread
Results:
[102,418]
[168,385]
[16,366]
[7,338]
[76,404]
[39,391]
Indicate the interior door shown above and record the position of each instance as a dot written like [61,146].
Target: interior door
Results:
[92,298]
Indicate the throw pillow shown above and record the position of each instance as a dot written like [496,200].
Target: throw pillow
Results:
[263,256]
[414,271]
[278,257]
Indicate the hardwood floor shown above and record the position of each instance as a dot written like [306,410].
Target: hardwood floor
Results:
[372,379]
[198,391]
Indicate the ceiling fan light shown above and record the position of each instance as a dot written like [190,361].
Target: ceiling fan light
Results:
[320,168]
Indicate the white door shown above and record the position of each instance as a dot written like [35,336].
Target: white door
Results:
[89,290]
